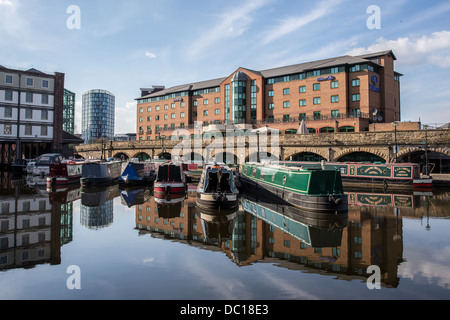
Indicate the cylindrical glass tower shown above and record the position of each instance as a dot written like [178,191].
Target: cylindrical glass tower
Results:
[98,115]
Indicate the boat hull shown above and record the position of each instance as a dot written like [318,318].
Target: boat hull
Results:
[163,190]
[217,201]
[137,173]
[64,174]
[100,173]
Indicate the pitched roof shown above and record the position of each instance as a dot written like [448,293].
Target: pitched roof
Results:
[279,71]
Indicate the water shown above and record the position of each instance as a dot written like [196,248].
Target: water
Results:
[143,250]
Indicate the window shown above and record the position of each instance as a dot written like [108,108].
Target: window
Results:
[205,102]
[286,91]
[173,105]
[182,104]
[356,112]
[286,118]
[334,114]
[356,83]
[334,70]
[8,112]
[44,131]
[205,112]
[157,108]
[141,119]
[317,115]
[271,106]
[149,109]
[44,115]
[9,79]
[149,118]
[195,103]
[172,116]
[44,83]
[316,100]
[334,84]
[271,93]
[7,129]
[166,116]
[356,97]
[302,89]
[44,99]
[166,107]
[334,99]
[316,86]
[194,114]
[156,118]
[302,103]
[28,130]
[217,111]
[28,113]
[141,110]
[217,100]
[29,97]
[286,104]
[302,116]
[29,82]
[271,119]
[181,114]
[8,95]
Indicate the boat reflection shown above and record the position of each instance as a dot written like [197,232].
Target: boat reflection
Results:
[132,196]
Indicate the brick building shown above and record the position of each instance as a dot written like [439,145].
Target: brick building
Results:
[342,94]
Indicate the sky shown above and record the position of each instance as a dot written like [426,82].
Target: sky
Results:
[122,46]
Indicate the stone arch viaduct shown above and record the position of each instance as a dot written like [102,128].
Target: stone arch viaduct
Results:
[330,146]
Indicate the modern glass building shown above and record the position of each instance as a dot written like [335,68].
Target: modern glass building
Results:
[69,112]
[98,115]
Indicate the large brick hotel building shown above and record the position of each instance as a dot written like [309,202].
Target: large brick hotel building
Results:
[342,94]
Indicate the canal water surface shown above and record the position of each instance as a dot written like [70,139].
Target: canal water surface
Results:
[121,244]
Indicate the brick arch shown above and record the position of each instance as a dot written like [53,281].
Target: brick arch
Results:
[116,155]
[341,153]
[294,151]
[405,151]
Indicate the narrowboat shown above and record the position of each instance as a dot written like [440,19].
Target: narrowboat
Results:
[385,175]
[216,188]
[315,190]
[42,165]
[170,181]
[100,173]
[137,173]
[66,173]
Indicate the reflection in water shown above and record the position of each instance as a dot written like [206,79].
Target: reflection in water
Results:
[97,207]
[35,224]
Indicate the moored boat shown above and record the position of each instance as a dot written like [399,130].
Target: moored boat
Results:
[315,190]
[137,173]
[402,175]
[170,181]
[66,173]
[98,173]
[216,189]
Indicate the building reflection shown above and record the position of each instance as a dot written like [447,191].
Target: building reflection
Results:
[97,207]
[342,247]
[33,224]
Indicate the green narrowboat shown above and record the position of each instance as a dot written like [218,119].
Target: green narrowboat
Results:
[315,190]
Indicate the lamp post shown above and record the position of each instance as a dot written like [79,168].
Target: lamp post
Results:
[395,123]
[426,150]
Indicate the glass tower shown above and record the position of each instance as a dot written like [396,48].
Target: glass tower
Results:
[98,115]
[69,112]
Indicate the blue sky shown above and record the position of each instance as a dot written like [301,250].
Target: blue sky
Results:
[122,46]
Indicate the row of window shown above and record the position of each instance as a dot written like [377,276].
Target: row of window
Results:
[182,115]
[28,113]
[29,97]
[7,130]
[9,79]
[316,101]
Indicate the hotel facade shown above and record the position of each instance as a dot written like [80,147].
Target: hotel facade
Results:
[342,94]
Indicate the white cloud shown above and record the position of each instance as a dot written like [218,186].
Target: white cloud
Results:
[150,55]
[126,118]
[428,49]
[292,24]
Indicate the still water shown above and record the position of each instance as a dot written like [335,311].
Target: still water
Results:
[120,244]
